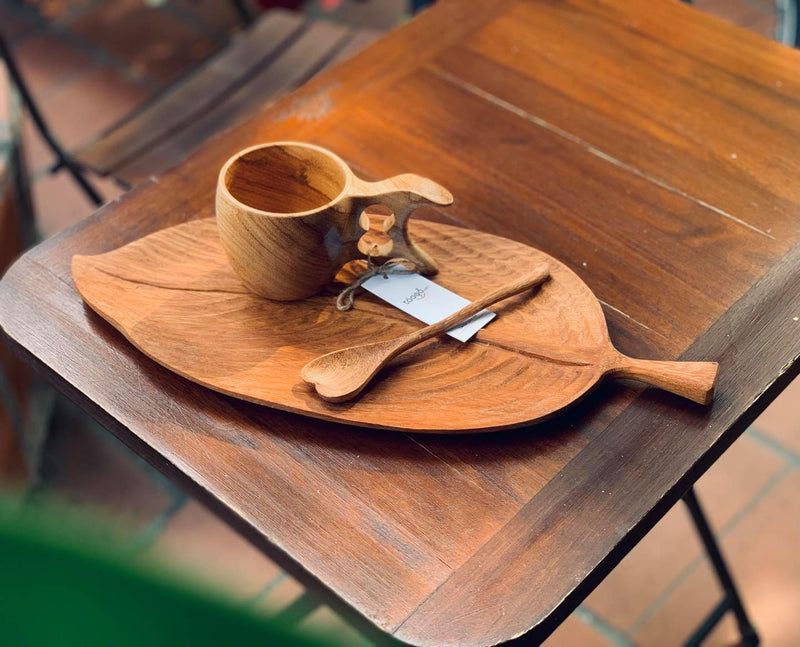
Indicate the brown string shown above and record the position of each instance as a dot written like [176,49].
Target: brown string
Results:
[347,297]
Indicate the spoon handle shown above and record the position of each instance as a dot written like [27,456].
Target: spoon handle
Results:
[693,380]
[539,274]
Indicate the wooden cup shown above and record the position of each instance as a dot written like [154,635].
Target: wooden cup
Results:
[290,215]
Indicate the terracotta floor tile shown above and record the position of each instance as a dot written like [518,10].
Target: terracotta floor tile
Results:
[574,631]
[630,589]
[735,11]
[331,628]
[208,550]
[735,479]
[763,552]
[672,545]
[760,16]
[59,203]
[46,61]
[151,42]
[683,612]
[89,469]
[280,595]
[78,112]
[37,153]
[725,634]
[781,420]
[764,23]
[83,109]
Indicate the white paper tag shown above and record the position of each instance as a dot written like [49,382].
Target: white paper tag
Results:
[426,301]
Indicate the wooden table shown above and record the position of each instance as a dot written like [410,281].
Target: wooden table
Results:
[652,148]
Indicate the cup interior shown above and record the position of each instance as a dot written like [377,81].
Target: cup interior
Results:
[285,178]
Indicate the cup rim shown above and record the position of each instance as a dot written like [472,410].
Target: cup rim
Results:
[348,175]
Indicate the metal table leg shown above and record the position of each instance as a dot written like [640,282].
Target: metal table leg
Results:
[731,600]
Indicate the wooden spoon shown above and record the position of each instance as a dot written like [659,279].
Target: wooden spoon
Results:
[342,374]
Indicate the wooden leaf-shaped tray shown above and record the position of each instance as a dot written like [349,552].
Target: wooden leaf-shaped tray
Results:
[176,298]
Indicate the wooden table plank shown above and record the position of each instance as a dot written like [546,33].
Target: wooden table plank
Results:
[475,540]
[588,516]
[569,202]
[406,494]
[649,106]
[748,56]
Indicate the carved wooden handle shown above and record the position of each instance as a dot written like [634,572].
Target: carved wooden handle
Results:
[402,194]
[693,380]
[409,187]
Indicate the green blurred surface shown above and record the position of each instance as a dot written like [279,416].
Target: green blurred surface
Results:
[62,583]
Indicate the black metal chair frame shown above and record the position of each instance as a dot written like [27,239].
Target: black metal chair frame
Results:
[63,159]
[731,600]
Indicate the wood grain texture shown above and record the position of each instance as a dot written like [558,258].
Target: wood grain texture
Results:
[341,375]
[587,493]
[482,539]
[175,296]
[568,202]
[289,214]
[613,97]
